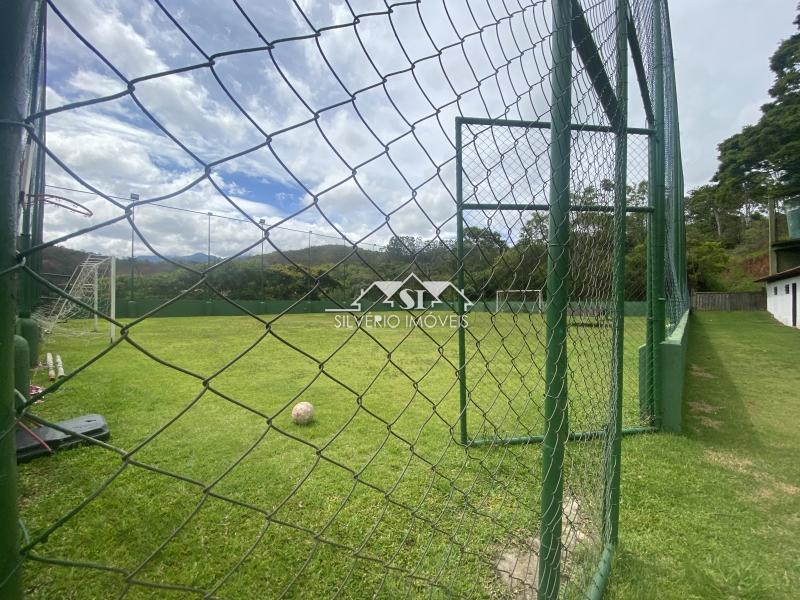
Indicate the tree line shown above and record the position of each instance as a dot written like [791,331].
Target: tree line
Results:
[727,230]
[497,256]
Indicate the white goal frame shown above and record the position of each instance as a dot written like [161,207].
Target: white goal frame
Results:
[84,285]
[501,298]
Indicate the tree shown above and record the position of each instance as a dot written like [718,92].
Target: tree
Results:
[485,238]
[710,208]
[635,222]
[403,247]
[706,261]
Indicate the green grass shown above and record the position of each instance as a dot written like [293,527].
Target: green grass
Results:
[715,513]
[709,514]
[344,502]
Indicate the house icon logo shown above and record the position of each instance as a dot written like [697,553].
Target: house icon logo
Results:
[412,293]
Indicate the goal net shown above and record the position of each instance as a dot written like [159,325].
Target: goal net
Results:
[519,301]
[91,292]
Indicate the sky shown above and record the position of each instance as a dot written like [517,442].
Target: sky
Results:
[722,50]
[347,133]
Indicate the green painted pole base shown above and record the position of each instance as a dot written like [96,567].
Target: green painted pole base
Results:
[22,371]
[599,582]
[673,368]
[29,329]
[645,414]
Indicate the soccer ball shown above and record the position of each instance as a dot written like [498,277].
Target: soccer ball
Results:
[303,413]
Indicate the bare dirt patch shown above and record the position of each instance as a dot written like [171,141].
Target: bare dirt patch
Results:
[699,371]
[729,461]
[518,568]
[709,422]
[769,487]
[773,489]
[702,407]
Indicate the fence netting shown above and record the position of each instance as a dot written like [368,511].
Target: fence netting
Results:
[676,283]
[294,166]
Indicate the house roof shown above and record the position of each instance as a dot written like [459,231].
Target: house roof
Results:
[793,272]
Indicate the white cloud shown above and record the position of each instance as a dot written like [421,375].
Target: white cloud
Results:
[492,70]
[722,50]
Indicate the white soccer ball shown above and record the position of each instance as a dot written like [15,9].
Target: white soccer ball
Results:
[303,413]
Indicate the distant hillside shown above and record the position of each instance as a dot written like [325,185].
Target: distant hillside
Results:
[60,260]
[320,255]
[197,257]
[63,261]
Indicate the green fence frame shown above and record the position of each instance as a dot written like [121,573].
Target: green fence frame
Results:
[662,359]
[663,356]
[620,306]
[17,66]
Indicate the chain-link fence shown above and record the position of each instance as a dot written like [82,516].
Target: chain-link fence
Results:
[427,255]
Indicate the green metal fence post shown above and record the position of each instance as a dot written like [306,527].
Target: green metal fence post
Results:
[646,404]
[646,391]
[682,240]
[677,189]
[31,186]
[37,230]
[677,204]
[31,233]
[16,51]
[462,350]
[659,225]
[555,400]
[614,449]
[25,325]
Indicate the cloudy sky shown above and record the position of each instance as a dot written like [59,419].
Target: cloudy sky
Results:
[722,50]
[310,123]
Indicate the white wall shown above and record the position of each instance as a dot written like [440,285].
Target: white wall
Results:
[780,304]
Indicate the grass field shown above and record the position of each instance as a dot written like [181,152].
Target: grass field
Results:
[214,489]
[709,514]
[715,513]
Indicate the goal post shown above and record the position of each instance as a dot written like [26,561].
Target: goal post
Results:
[530,300]
[92,284]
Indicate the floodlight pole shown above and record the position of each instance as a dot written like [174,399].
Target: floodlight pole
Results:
[134,198]
[262,222]
[113,288]
[17,29]
[555,400]
[95,283]
[208,248]
[344,267]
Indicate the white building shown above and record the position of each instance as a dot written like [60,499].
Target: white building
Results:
[782,296]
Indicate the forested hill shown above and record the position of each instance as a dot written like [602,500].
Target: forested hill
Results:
[494,260]
[727,230]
